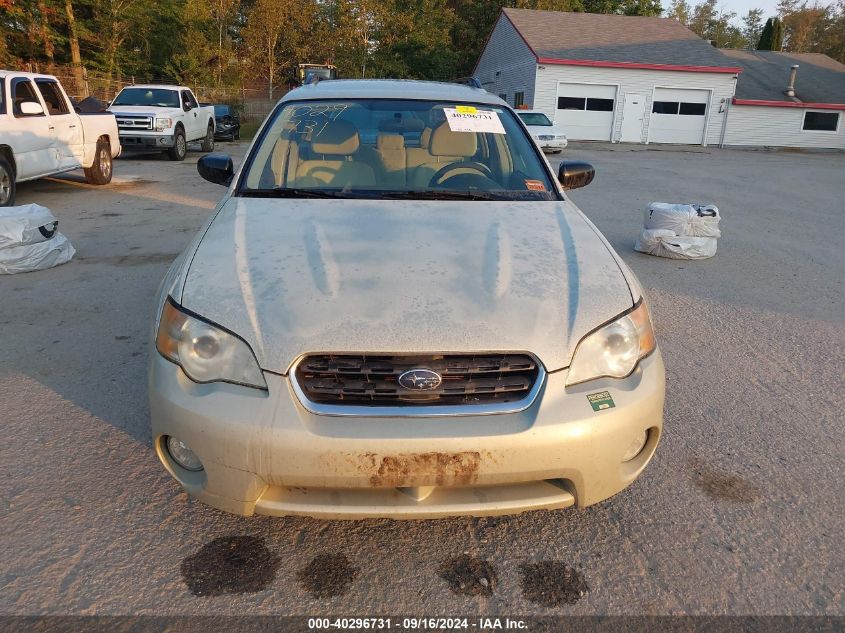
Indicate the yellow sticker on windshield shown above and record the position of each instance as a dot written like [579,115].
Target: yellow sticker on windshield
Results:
[466,109]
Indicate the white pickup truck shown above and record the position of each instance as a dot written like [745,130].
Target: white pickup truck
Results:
[167,118]
[41,134]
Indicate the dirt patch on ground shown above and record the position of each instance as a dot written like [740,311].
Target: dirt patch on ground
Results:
[423,469]
[327,575]
[722,485]
[231,564]
[551,583]
[468,576]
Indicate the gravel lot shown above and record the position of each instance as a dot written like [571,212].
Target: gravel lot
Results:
[739,513]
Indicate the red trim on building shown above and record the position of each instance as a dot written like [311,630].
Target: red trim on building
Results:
[789,104]
[518,32]
[600,64]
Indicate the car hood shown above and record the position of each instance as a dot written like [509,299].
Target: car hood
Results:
[302,275]
[150,110]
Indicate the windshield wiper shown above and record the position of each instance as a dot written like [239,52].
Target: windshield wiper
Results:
[293,192]
[442,195]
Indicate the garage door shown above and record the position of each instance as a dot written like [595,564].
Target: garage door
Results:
[585,111]
[678,116]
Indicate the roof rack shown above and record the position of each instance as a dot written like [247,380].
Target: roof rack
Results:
[472,82]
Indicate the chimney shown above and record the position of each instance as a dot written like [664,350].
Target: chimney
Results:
[790,88]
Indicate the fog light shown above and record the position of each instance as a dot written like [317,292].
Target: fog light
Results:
[183,455]
[635,447]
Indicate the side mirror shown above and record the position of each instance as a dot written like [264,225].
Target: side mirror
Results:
[216,168]
[31,108]
[187,106]
[575,174]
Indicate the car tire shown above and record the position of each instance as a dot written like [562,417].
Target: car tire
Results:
[100,172]
[180,146]
[237,135]
[208,141]
[7,183]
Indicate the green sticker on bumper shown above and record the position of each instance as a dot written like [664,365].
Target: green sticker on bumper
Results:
[601,400]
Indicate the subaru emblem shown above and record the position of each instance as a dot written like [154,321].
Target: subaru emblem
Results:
[420,380]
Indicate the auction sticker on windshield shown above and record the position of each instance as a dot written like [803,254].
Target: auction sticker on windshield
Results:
[471,119]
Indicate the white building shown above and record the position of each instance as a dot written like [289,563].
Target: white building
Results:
[651,80]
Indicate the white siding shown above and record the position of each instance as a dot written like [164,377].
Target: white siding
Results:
[507,53]
[639,81]
[778,127]
[587,124]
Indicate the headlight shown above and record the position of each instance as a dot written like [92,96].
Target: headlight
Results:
[614,349]
[163,124]
[206,353]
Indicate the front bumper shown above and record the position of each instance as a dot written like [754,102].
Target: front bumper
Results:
[264,453]
[221,132]
[555,145]
[131,142]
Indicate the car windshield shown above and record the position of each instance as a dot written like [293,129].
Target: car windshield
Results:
[222,110]
[147,97]
[534,118]
[395,149]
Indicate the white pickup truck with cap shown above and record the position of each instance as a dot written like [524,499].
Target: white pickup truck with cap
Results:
[42,134]
[162,118]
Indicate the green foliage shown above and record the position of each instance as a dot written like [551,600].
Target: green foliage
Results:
[232,43]
[771,38]
[680,10]
[752,27]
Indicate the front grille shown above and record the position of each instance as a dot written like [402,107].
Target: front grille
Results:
[546,137]
[129,122]
[374,381]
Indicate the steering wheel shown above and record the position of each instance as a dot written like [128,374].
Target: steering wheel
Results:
[479,168]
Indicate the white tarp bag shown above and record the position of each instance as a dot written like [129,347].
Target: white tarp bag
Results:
[26,224]
[664,243]
[684,220]
[28,257]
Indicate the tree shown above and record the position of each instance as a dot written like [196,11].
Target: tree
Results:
[680,10]
[752,27]
[834,40]
[75,54]
[277,36]
[771,37]
[194,63]
[804,26]
[223,13]
[641,7]
[422,46]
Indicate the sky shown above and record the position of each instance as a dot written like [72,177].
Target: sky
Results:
[741,7]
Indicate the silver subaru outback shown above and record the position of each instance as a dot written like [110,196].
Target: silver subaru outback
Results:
[395,311]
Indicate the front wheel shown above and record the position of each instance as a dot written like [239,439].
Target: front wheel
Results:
[100,171]
[180,146]
[208,141]
[7,183]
